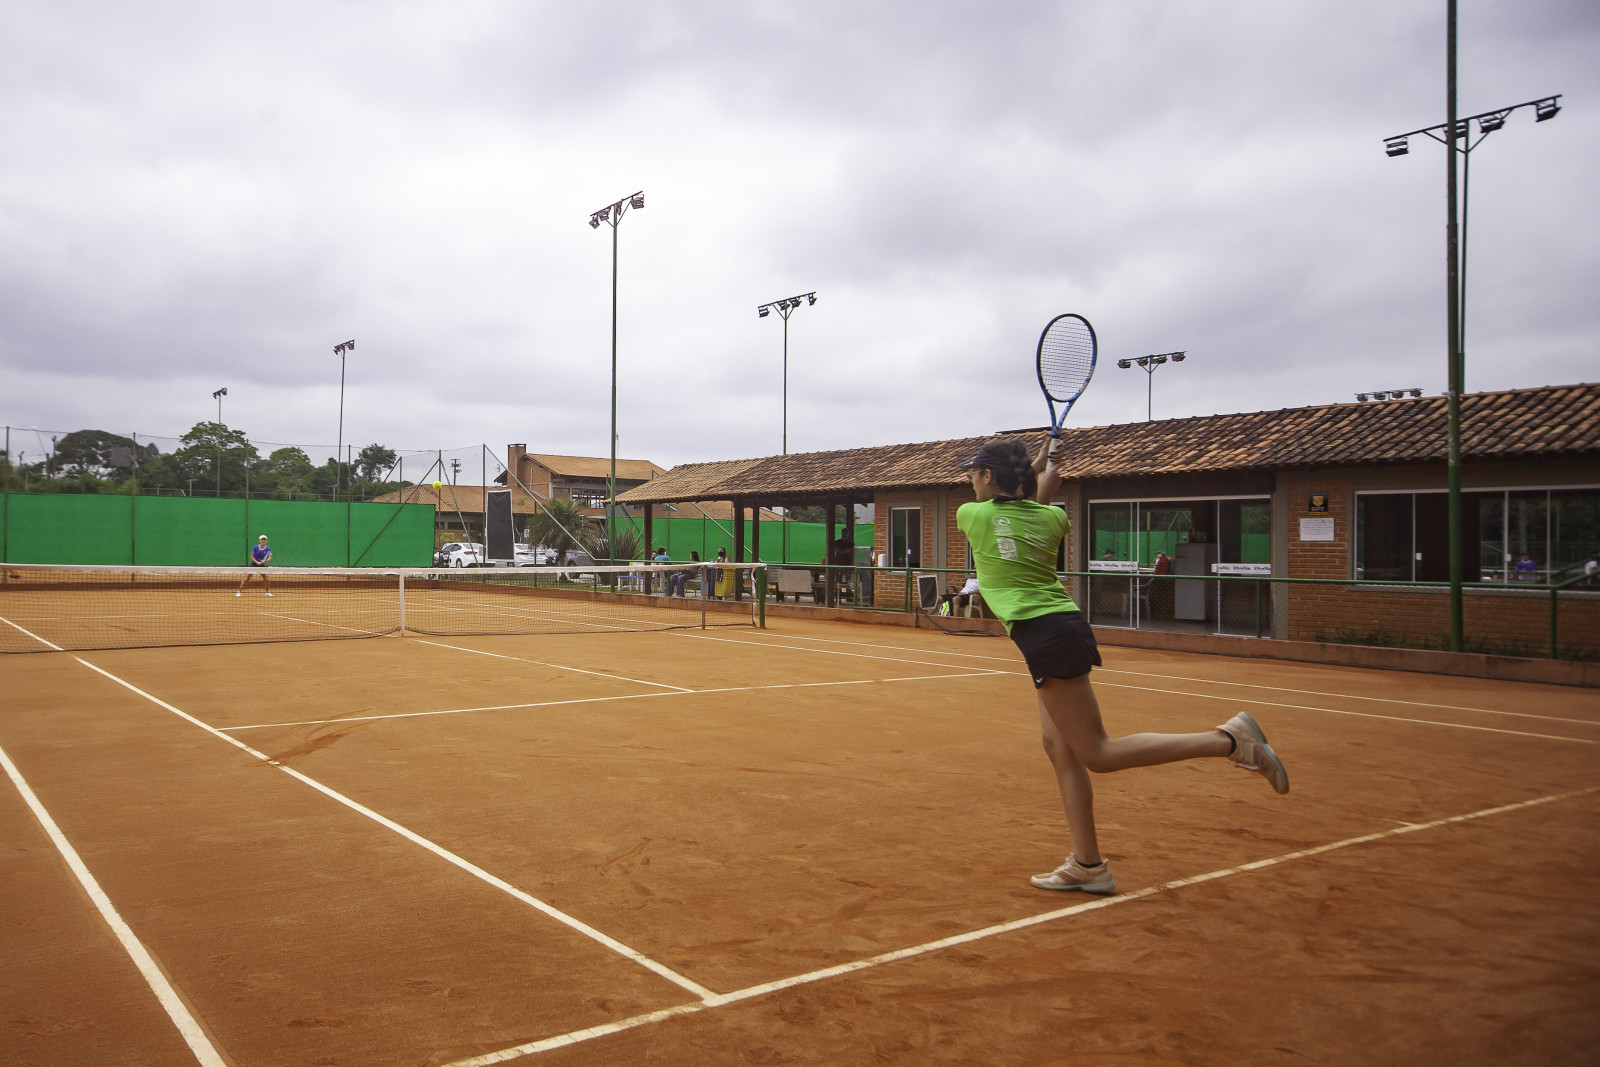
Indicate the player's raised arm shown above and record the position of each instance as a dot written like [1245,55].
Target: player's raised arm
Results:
[1048,465]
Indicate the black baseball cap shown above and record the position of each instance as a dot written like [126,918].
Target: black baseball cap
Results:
[987,456]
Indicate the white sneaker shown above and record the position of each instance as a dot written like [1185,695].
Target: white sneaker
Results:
[269,594]
[1074,875]
[237,593]
[1251,751]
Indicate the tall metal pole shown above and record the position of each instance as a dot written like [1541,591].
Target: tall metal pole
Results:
[1453,297]
[338,450]
[786,383]
[611,482]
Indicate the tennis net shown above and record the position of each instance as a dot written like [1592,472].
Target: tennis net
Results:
[45,608]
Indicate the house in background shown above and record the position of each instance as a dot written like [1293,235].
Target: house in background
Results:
[580,479]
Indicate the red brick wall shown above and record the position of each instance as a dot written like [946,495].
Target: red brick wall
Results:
[1493,618]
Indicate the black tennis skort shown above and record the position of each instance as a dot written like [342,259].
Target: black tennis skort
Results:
[1060,645]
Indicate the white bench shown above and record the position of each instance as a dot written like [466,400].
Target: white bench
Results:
[795,581]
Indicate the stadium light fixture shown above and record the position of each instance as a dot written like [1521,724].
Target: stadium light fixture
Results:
[1456,135]
[217,396]
[786,307]
[1398,146]
[1148,364]
[612,215]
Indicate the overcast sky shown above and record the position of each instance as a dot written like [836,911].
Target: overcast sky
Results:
[204,195]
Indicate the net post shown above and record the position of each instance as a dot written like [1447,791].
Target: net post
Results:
[705,592]
[761,596]
[402,603]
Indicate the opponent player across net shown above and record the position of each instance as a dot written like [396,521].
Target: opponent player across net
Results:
[1015,535]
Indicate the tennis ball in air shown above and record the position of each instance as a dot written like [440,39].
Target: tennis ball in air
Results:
[436,484]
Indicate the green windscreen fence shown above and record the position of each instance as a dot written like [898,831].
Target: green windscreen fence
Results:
[200,532]
[805,540]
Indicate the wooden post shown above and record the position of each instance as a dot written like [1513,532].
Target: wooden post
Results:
[738,547]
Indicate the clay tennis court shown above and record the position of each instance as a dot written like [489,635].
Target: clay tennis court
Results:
[804,844]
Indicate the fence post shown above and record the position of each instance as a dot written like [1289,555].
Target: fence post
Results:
[1554,592]
[402,603]
[1258,607]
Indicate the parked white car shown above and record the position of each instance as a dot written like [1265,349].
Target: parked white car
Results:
[461,554]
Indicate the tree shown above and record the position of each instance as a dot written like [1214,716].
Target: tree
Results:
[287,472]
[207,446]
[374,461]
[560,525]
[92,452]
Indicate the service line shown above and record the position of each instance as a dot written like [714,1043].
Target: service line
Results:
[966,673]
[765,988]
[1201,696]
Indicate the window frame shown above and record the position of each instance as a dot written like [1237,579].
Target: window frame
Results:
[900,560]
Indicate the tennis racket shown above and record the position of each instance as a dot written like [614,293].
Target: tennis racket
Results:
[1066,363]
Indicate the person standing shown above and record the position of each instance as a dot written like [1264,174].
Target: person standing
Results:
[1015,535]
[260,556]
[661,559]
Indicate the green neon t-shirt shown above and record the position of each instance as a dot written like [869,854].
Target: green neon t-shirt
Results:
[1014,545]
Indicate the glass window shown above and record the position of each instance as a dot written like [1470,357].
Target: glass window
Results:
[1244,531]
[1574,533]
[1163,527]
[905,537]
[1384,537]
[1111,531]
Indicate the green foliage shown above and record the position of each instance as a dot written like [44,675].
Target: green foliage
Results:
[374,461]
[560,525]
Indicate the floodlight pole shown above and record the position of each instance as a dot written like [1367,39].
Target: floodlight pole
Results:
[1456,135]
[340,350]
[785,308]
[217,396]
[1148,364]
[612,215]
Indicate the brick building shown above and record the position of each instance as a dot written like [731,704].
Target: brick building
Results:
[1340,492]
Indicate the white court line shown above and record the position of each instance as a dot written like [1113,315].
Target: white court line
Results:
[830,652]
[594,700]
[1198,696]
[194,1034]
[415,838]
[557,666]
[1212,681]
[590,1033]
[330,625]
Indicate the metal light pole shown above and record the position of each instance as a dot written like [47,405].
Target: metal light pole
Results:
[341,349]
[1457,136]
[785,308]
[612,214]
[1148,364]
[217,396]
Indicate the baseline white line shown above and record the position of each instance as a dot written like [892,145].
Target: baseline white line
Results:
[557,666]
[1206,696]
[415,838]
[1355,714]
[194,1034]
[1211,681]
[595,700]
[590,1033]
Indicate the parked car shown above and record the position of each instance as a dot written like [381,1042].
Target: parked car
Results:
[460,554]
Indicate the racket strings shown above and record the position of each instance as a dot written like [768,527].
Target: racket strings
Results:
[1066,358]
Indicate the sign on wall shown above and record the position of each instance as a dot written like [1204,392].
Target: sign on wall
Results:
[1316,529]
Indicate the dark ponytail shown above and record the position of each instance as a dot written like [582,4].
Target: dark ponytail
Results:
[1014,475]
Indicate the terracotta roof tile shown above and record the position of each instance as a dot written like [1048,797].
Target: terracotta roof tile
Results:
[1520,422]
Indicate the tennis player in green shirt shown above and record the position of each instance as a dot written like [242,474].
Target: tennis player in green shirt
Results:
[1015,536]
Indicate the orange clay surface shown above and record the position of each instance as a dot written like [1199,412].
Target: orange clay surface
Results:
[730,812]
